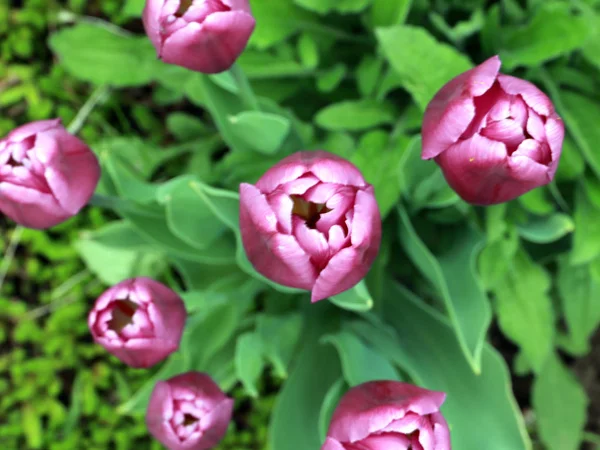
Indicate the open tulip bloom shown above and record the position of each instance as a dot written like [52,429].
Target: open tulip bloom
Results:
[388,415]
[188,412]
[494,136]
[311,222]
[46,174]
[202,35]
[139,320]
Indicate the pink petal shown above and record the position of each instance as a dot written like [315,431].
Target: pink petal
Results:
[508,131]
[535,127]
[321,193]
[343,271]
[285,171]
[256,209]
[518,110]
[366,224]
[452,109]
[27,130]
[555,132]
[535,99]
[212,46]
[405,425]
[312,241]
[337,239]
[282,205]
[332,169]
[29,207]
[301,185]
[441,432]
[332,444]
[388,441]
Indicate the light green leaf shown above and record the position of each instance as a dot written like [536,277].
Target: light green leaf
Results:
[560,405]
[249,361]
[341,6]
[331,78]
[543,230]
[385,12]
[360,362]
[422,343]
[103,54]
[356,298]
[332,398]
[586,238]
[422,63]
[263,132]
[308,51]
[453,274]
[524,309]
[553,31]
[354,115]
[280,335]
[368,74]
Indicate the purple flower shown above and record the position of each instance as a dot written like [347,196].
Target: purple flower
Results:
[139,320]
[188,412]
[46,174]
[494,136]
[311,222]
[202,35]
[388,415]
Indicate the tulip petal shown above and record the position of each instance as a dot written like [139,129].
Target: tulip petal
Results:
[386,441]
[256,210]
[312,241]
[332,444]
[366,224]
[441,432]
[555,132]
[518,110]
[300,186]
[32,128]
[450,112]
[508,131]
[535,127]
[282,205]
[535,99]
[332,169]
[344,270]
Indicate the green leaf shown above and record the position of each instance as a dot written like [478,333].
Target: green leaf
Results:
[423,64]
[186,126]
[586,238]
[385,13]
[332,398]
[524,309]
[453,274]
[543,230]
[356,298]
[116,252]
[32,428]
[263,132]
[422,343]
[368,74]
[354,115]
[330,79]
[341,6]
[560,405]
[280,335]
[249,361]
[308,51]
[360,362]
[103,54]
[580,299]
[553,31]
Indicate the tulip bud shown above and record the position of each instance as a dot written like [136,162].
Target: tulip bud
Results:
[388,415]
[46,174]
[494,136]
[311,222]
[139,320]
[188,412]
[202,35]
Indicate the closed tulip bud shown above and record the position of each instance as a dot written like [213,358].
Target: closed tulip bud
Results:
[388,415]
[202,35]
[188,412]
[311,222]
[46,174]
[139,320]
[494,136]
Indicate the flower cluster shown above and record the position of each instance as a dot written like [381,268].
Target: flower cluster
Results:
[310,222]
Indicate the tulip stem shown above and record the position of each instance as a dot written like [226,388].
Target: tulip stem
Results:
[9,255]
[246,92]
[97,96]
[114,203]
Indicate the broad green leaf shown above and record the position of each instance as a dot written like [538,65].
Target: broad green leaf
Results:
[280,335]
[385,12]
[537,202]
[103,54]
[308,51]
[31,426]
[265,66]
[249,362]
[187,215]
[560,405]
[360,362]
[586,238]
[185,126]
[553,31]
[116,252]
[356,298]
[495,258]
[295,418]
[453,274]
[571,164]
[422,63]
[330,79]
[422,343]
[330,402]
[341,6]
[354,115]
[543,230]
[524,309]
[368,74]
[580,299]
[263,132]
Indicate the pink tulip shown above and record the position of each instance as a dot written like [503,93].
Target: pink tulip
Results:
[494,136]
[202,35]
[388,415]
[188,412]
[139,320]
[46,174]
[311,222]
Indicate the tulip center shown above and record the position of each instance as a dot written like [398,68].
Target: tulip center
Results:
[309,211]
[122,314]
[209,6]
[184,5]
[12,162]
[189,419]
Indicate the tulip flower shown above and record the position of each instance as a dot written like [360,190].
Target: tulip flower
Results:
[388,415]
[188,412]
[139,320]
[202,35]
[311,222]
[494,136]
[46,174]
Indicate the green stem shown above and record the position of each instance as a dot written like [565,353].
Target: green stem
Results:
[114,203]
[243,84]
[99,95]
